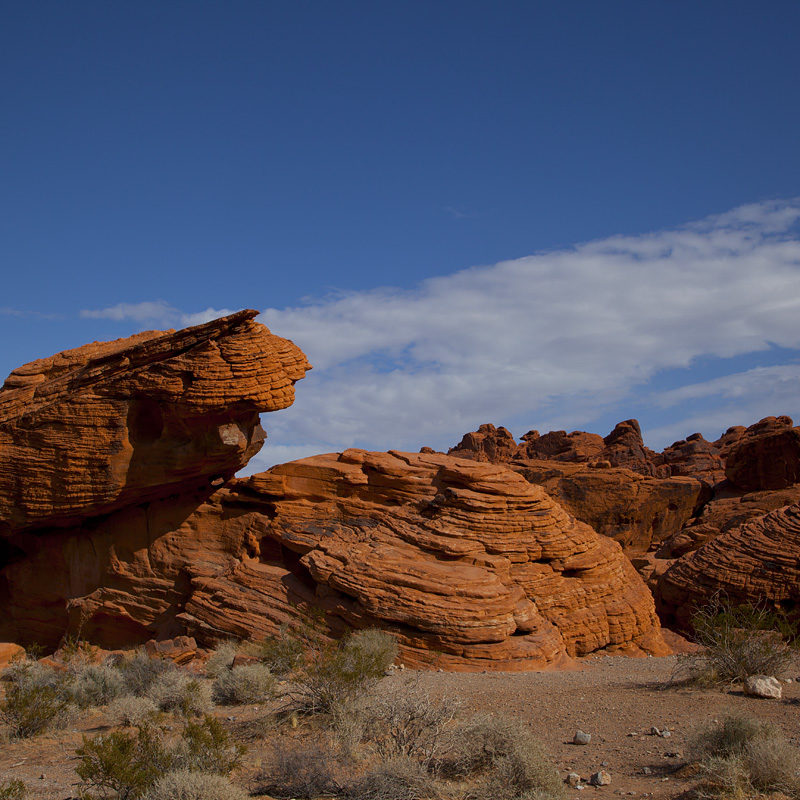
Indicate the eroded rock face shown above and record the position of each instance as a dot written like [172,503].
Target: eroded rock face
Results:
[637,511]
[756,561]
[470,566]
[767,456]
[111,424]
[488,443]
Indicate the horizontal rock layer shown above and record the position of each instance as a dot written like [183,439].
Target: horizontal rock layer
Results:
[111,424]
[469,565]
[754,562]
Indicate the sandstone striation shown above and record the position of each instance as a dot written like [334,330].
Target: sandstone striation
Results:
[469,565]
[756,561]
[639,512]
[117,423]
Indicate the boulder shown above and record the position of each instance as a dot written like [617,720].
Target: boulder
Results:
[763,686]
[692,457]
[488,443]
[561,446]
[113,424]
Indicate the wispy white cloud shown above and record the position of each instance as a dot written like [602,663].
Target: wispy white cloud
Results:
[554,340]
[154,312]
[557,335]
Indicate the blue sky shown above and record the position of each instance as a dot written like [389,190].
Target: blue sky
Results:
[537,214]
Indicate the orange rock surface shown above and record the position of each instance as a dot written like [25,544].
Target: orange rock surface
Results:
[469,565]
[637,511]
[756,561]
[112,424]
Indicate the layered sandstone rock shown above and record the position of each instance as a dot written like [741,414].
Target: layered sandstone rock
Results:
[692,457]
[469,565]
[637,511]
[112,424]
[767,456]
[723,514]
[488,443]
[756,561]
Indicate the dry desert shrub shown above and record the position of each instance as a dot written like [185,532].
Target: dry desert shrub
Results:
[399,778]
[738,641]
[131,711]
[37,698]
[338,673]
[302,770]
[741,758]
[12,790]
[251,683]
[221,659]
[179,692]
[187,785]
[95,685]
[404,723]
[503,758]
[140,671]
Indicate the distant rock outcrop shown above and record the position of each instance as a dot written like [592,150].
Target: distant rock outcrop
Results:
[637,511]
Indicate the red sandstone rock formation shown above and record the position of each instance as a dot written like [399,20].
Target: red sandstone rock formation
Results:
[692,457]
[637,511]
[561,446]
[767,456]
[469,565]
[112,424]
[121,523]
[756,561]
[488,443]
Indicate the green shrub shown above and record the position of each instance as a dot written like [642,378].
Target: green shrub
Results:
[336,674]
[187,785]
[29,709]
[727,738]
[122,763]
[282,653]
[130,764]
[221,659]
[741,757]
[738,641]
[206,747]
[140,671]
[94,685]
[177,691]
[12,790]
[251,683]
